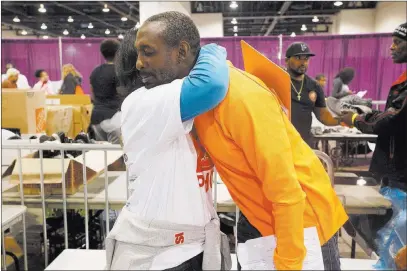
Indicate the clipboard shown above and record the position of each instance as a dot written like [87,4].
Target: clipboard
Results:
[275,78]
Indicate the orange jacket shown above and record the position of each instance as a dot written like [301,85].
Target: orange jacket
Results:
[275,179]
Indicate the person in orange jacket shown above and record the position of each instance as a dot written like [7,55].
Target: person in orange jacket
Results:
[275,179]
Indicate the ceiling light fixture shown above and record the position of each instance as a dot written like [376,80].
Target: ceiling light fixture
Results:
[42,9]
[234,21]
[304,27]
[105,9]
[338,3]
[292,34]
[23,32]
[70,19]
[65,32]
[16,19]
[233,5]
[315,19]
[124,19]
[43,26]
[45,37]
[120,36]
[83,36]
[90,25]
[107,32]
[235,35]
[137,25]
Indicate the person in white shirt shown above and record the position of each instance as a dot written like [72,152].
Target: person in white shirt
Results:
[169,221]
[22,82]
[43,84]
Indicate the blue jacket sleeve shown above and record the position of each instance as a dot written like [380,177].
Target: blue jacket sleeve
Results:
[207,84]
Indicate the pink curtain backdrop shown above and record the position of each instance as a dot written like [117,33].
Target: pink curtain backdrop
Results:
[367,54]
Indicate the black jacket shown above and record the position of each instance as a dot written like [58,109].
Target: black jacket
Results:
[390,156]
[69,84]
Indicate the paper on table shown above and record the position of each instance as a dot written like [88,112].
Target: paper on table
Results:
[257,254]
[372,146]
[362,93]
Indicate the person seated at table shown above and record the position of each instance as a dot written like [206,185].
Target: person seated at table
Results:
[341,83]
[389,161]
[321,80]
[11,79]
[22,82]
[43,84]
[341,89]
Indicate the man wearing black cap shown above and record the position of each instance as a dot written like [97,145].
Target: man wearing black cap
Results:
[306,95]
[389,161]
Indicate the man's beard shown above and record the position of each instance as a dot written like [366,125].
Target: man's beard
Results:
[296,72]
[165,75]
[162,77]
[400,59]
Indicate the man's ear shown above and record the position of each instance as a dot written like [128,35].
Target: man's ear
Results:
[184,51]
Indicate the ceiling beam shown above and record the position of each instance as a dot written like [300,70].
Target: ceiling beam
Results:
[280,17]
[59,18]
[58,27]
[283,9]
[266,21]
[84,14]
[276,31]
[229,25]
[131,5]
[21,27]
[15,11]
[119,12]
[271,13]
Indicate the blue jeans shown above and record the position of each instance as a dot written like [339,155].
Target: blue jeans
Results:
[193,264]
[330,250]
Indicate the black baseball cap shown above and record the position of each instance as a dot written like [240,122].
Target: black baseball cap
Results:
[401,31]
[298,49]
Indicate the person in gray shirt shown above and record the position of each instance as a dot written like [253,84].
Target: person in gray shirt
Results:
[341,82]
[341,89]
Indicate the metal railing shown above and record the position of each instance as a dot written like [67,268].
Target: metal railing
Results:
[329,164]
[88,147]
[41,147]
[378,103]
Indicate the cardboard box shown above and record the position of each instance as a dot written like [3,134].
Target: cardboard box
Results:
[53,171]
[80,121]
[82,110]
[23,110]
[59,119]
[86,113]
[68,99]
